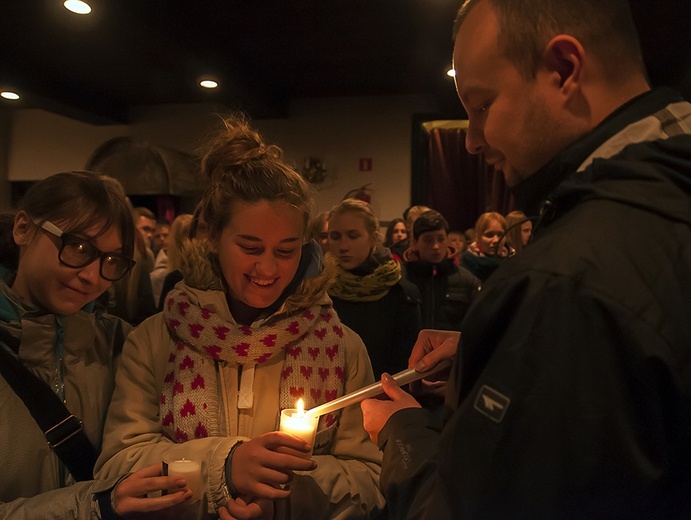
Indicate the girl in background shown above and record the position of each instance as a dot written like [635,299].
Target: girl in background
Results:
[369,294]
[396,233]
[179,231]
[489,249]
[319,231]
[518,230]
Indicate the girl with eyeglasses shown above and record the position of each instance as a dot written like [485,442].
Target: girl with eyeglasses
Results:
[72,237]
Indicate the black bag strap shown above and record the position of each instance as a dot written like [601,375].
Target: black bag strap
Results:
[62,429]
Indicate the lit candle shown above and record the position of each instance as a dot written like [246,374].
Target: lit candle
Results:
[298,423]
[191,471]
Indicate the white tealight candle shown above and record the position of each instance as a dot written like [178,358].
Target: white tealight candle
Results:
[191,471]
[296,422]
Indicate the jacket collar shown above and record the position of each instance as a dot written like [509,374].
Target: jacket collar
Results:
[533,191]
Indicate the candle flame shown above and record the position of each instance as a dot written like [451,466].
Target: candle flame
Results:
[301,407]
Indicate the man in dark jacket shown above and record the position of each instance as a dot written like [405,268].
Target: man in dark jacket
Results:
[573,395]
[446,289]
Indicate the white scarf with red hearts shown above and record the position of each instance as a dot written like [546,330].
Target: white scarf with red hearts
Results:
[314,366]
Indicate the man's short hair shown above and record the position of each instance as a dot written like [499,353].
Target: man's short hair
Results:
[604,27]
[429,221]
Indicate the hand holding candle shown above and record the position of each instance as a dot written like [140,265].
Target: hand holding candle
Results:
[298,423]
[177,465]
[262,466]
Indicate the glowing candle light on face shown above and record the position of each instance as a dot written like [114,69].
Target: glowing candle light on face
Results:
[296,422]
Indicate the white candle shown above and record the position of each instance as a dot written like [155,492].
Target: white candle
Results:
[296,422]
[191,471]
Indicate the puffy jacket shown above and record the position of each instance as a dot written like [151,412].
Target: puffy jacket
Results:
[345,483]
[573,394]
[446,290]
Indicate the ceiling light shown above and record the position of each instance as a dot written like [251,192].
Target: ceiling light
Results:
[451,73]
[9,95]
[77,6]
[208,83]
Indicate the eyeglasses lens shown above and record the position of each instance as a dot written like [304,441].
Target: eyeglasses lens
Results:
[77,253]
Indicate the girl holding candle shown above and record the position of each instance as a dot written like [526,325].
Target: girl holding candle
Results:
[249,331]
[70,238]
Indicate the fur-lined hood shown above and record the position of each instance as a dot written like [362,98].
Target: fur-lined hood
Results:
[200,271]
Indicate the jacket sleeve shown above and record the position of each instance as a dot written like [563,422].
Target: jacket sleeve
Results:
[345,484]
[565,402]
[132,436]
[78,502]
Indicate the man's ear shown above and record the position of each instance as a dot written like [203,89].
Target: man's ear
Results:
[564,57]
[23,230]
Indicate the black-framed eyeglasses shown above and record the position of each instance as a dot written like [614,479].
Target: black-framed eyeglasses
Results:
[78,252]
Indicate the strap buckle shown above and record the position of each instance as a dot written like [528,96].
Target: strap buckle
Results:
[63,431]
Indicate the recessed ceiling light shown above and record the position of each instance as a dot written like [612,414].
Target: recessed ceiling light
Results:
[451,73]
[9,95]
[77,6]
[208,83]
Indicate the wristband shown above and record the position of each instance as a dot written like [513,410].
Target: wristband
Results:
[228,489]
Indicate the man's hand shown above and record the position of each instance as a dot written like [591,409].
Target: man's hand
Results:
[376,412]
[433,346]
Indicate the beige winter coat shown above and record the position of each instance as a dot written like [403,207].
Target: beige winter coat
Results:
[345,483]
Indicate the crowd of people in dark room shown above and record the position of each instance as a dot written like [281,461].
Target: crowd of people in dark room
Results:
[555,340]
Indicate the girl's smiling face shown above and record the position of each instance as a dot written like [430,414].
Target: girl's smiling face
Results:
[259,252]
[44,281]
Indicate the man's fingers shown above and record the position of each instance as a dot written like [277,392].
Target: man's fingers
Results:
[443,344]
[390,386]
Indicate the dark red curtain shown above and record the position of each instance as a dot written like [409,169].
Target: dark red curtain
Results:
[460,185]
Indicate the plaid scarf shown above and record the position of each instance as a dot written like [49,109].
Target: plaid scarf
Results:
[314,366]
